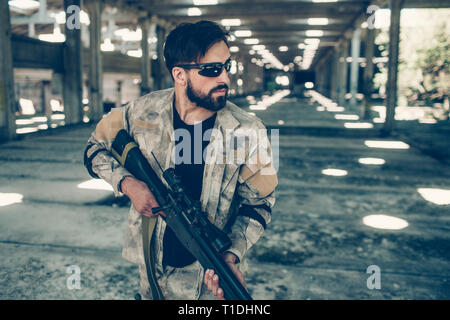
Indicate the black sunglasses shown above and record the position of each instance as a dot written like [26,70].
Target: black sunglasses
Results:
[211,69]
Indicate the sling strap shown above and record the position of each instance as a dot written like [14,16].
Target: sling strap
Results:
[148,226]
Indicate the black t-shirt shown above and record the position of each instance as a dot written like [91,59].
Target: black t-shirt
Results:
[189,165]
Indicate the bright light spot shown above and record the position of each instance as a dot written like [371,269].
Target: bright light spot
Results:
[84,18]
[60,17]
[42,127]
[386,144]
[24,4]
[335,172]
[314,33]
[97,184]
[231,22]
[85,101]
[85,119]
[381,221]
[128,35]
[204,2]
[26,130]
[107,46]
[437,196]
[320,1]
[346,117]
[24,122]
[358,125]
[282,80]
[382,18]
[56,106]
[58,117]
[194,12]
[371,161]
[251,41]
[233,69]
[335,109]
[318,21]
[312,41]
[240,82]
[309,85]
[258,47]
[26,106]
[135,53]
[283,48]
[320,108]
[39,119]
[243,33]
[56,36]
[280,122]
[234,49]
[267,101]
[429,121]
[7,199]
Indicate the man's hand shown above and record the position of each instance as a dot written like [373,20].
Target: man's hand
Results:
[212,280]
[140,195]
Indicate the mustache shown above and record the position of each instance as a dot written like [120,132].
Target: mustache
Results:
[220,87]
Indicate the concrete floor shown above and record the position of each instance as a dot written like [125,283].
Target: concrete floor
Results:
[317,246]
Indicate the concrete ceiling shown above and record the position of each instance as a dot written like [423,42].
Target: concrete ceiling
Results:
[274,23]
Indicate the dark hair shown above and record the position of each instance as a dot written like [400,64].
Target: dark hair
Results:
[190,41]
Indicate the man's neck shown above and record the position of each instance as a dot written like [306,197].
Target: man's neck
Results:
[189,112]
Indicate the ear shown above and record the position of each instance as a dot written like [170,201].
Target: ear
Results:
[179,76]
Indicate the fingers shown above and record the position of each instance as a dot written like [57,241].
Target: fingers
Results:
[220,294]
[211,281]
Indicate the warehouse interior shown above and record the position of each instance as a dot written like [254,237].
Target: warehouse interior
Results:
[347,162]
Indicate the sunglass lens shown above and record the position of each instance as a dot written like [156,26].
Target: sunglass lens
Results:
[211,71]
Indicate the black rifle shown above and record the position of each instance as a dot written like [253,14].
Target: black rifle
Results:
[204,241]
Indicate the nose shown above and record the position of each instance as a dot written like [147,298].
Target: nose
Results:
[223,77]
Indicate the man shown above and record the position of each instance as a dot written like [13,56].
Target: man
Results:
[237,194]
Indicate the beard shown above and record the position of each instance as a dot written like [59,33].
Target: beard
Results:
[207,101]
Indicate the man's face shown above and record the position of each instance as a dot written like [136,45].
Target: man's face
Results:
[206,92]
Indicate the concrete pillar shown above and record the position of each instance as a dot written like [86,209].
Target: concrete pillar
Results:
[343,73]
[31,30]
[145,60]
[334,74]
[368,72]
[45,98]
[73,71]
[354,67]
[391,86]
[95,77]
[119,93]
[160,34]
[7,97]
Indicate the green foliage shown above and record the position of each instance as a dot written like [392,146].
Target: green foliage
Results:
[433,66]
[424,61]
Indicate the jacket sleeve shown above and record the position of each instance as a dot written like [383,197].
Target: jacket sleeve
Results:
[97,156]
[256,190]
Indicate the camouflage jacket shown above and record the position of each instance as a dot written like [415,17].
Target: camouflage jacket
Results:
[235,174]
